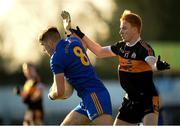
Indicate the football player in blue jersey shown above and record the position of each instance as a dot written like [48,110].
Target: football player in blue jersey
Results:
[69,60]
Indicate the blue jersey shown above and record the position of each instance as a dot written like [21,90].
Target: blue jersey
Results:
[71,59]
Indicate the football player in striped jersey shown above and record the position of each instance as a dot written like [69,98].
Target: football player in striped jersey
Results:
[137,62]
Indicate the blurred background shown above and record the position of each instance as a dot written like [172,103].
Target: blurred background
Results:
[22,21]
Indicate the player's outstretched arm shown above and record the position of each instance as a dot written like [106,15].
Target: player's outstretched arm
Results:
[96,48]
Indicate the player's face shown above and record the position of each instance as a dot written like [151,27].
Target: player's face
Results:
[48,46]
[127,31]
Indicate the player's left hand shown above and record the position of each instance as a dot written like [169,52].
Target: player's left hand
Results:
[17,90]
[162,65]
[66,21]
[78,32]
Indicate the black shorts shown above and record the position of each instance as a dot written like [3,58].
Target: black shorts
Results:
[133,111]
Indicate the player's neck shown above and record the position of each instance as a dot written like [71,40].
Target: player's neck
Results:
[133,41]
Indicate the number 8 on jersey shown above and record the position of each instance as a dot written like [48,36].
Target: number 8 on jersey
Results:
[79,53]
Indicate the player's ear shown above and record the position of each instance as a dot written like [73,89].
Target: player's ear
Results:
[135,29]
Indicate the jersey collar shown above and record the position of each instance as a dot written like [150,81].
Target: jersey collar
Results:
[130,45]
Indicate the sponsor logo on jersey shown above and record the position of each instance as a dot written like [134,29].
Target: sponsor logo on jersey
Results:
[133,55]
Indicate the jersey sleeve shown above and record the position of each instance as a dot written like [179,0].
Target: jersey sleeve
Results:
[57,63]
[115,48]
[147,51]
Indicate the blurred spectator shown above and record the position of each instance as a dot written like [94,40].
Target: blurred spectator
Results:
[32,95]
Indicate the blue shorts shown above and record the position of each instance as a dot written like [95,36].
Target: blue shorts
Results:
[95,104]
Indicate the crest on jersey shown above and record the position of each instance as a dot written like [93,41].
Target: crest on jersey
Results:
[121,50]
[133,55]
[67,48]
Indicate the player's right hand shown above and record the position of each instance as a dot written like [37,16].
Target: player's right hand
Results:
[17,90]
[78,32]
[52,95]
[66,21]
[162,65]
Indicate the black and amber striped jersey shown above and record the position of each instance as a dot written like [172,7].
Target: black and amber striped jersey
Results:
[136,75]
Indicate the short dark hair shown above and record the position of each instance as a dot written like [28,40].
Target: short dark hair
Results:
[51,33]
[132,18]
